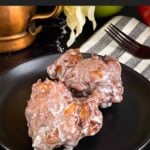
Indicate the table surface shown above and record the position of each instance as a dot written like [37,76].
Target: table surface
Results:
[45,42]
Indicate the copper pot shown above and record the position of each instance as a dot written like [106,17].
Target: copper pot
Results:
[17,26]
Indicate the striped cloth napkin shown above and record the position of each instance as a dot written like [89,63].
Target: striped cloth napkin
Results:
[102,44]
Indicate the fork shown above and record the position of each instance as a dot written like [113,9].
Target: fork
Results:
[127,43]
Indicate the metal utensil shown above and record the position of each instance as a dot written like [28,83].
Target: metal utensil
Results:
[127,43]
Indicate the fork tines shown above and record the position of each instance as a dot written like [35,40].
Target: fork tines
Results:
[121,38]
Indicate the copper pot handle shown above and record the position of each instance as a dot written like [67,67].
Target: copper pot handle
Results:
[33,30]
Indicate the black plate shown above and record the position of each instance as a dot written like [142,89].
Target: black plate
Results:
[126,125]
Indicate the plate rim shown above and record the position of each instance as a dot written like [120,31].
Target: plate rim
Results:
[3,73]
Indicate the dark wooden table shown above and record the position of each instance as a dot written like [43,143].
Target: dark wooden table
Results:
[45,42]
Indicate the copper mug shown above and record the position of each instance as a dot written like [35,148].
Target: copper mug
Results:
[18,26]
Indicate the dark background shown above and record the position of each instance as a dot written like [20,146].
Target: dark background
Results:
[74,2]
[45,42]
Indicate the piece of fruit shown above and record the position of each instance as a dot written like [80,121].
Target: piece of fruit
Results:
[144,12]
[105,11]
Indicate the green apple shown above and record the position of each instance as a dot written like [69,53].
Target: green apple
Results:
[105,11]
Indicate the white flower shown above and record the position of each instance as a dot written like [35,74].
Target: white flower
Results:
[76,18]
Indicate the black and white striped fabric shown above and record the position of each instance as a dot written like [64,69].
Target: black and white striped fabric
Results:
[102,44]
